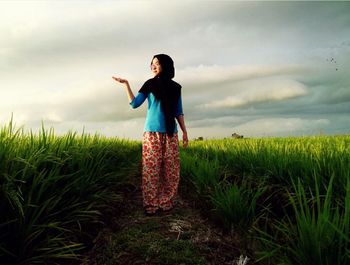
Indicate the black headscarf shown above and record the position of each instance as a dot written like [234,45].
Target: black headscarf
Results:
[165,90]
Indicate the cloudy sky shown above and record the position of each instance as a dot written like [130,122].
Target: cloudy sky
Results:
[255,68]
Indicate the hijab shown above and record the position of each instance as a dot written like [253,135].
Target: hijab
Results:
[165,90]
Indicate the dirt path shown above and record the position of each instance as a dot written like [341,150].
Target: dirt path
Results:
[181,236]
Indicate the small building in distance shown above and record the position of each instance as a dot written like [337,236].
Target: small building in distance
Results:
[237,136]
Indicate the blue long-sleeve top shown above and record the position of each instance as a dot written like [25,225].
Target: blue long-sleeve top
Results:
[155,118]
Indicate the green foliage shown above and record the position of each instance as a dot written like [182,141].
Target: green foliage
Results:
[291,194]
[53,189]
[203,174]
[317,233]
[281,160]
[237,204]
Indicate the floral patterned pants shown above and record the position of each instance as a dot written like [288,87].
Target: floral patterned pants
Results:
[160,170]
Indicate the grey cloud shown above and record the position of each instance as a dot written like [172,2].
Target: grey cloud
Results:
[247,85]
[223,24]
[282,126]
[222,50]
[102,106]
[260,91]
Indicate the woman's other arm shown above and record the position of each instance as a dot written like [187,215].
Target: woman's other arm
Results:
[181,120]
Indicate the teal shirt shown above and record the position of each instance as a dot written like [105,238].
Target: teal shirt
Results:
[155,119]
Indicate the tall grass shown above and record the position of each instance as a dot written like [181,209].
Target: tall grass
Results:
[53,190]
[203,174]
[281,160]
[291,194]
[317,233]
[296,205]
[237,204]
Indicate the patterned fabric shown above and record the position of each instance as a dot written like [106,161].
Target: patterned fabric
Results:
[160,170]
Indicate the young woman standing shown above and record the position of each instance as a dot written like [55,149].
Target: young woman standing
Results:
[160,145]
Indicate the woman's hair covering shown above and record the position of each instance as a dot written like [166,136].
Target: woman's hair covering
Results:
[165,90]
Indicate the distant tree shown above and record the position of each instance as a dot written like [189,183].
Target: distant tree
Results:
[237,136]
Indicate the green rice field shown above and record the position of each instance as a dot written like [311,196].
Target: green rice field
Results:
[289,197]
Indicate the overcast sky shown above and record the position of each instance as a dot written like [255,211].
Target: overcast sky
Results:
[255,68]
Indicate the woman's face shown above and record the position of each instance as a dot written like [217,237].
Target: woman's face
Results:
[156,67]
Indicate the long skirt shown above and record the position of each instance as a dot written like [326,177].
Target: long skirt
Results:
[160,170]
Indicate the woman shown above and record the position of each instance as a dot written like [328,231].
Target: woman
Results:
[160,150]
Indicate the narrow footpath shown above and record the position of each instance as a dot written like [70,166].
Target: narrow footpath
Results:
[181,236]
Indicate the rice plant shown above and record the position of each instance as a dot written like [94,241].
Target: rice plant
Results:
[281,159]
[53,190]
[236,204]
[317,233]
[305,218]
[203,174]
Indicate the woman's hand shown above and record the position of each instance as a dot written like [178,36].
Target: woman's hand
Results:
[127,87]
[120,80]
[184,140]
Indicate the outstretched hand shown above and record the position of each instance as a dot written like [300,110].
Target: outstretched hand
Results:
[120,80]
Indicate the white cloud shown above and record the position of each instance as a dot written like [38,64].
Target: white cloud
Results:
[85,101]
[281,126]
[221,74]
[260,90]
